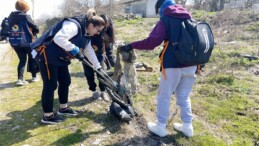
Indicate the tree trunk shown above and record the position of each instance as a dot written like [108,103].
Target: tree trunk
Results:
[197,4]
[33,6]
[213,5]
[222,3]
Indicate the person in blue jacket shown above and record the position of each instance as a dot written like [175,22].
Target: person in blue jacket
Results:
[67,39]
[22,31]
[175,77]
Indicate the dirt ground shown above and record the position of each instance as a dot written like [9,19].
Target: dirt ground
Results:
[133,133]
[6,54]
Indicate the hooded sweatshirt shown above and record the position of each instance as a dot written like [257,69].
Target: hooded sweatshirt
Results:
[158,34]
[164,5]
[23,23]
[17,16]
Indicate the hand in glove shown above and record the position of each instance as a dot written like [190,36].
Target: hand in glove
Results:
[125,48]
[80,56]
[77,53]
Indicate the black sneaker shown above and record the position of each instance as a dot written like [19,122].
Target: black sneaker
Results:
[67,112]
[54,119]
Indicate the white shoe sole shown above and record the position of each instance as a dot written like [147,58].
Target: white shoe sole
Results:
[66,114]
[178,127]
[48,122]
[106,99]
[151,126]
[21,84]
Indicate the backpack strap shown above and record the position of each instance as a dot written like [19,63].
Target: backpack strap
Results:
[162,57]
[41,49]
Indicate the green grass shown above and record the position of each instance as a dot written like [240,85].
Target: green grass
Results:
[253,27]
[224,102]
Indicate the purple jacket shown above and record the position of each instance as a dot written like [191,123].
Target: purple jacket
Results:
[158,34]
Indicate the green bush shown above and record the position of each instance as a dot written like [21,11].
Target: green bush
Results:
[202,15]
[253,27]
[245,62]
[222,79]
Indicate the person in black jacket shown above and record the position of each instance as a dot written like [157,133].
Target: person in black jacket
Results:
[22,31]
[65,40]
[97,45]
[109,40]
[4,30]
[102,45]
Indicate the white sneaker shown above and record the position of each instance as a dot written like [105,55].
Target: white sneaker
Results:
[21,82]
[96,95]
[187,131]
[156,129]
[104,96]
[35,79]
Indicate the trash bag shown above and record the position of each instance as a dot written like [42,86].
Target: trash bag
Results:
[120,112]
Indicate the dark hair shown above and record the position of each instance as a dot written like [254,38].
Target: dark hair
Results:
[158,5]
[108,32]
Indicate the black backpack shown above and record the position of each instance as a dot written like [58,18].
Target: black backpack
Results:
[4,27]
[17,34]
[195,44]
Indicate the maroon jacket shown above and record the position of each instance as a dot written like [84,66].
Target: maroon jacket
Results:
[158,34]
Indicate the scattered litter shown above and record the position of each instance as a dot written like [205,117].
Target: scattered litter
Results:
[96,142]
[16,127]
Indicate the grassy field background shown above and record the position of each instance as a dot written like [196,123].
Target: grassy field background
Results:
[224,100]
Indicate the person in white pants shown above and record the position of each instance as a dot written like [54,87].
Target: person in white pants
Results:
[175,77]
[180,82]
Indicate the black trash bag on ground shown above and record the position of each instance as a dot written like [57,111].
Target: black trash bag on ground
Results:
[120,112]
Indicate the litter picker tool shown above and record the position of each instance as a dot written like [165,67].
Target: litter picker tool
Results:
[121,102]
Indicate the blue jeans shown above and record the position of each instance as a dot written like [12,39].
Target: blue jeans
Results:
[179,81]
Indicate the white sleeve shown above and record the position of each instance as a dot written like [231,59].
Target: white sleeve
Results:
[91,56]
[69,30]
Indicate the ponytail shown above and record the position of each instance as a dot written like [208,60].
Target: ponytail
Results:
[90,13]
[93,18]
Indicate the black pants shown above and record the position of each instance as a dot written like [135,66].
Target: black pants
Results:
[59,77]
[89,74]
[109,54]
[22,54]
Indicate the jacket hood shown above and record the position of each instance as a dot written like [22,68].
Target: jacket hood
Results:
[177,11]
[17,16]
[164,5]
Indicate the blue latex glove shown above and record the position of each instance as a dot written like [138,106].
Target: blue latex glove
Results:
[77,54]
[74,51]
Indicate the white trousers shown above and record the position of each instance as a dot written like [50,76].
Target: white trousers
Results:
[179,81]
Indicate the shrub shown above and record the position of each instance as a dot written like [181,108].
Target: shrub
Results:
[222,79]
